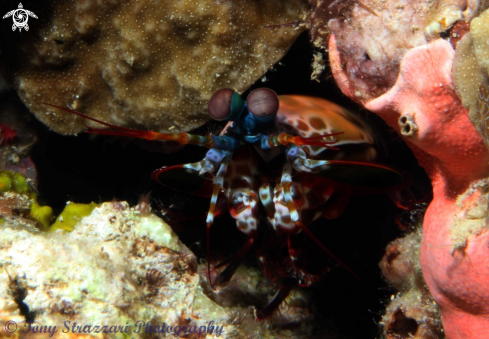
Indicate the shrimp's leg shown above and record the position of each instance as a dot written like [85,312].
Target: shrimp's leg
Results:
[285,287]
[286,183]
[218,187]
[242,181]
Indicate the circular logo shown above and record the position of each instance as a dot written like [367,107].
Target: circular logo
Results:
[20,17]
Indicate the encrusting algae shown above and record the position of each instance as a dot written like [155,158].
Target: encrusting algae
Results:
[16,195]
[71,215]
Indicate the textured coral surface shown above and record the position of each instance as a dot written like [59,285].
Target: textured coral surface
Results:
[412,312]
[425,109]
[121,265]
[376,35]
[84,276]
[471,73]
[146,63]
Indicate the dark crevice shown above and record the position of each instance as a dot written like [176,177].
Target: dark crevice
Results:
[445,34]
[403,326]
[20,293]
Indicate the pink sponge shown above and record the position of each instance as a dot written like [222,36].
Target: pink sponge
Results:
[424,108]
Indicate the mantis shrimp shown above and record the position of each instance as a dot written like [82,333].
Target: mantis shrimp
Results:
[300,157]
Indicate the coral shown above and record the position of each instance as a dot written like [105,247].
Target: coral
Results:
[478,30]
[400,264]
[146,64]
[117,267]
[472,218]
[471,73]
[16,195]
[90,281]
[466,72]
[71,215]
[376,35]
[412,312]
[425,109]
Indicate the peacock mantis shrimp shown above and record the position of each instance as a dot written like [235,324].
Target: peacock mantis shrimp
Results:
[300,157]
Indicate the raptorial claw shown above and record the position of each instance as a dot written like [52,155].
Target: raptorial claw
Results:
[284,139]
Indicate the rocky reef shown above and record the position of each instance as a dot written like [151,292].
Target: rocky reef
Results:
[143,63]
[126,269]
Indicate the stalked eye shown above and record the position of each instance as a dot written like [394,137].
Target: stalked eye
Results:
[225,104]
[262,102]
[220,104]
